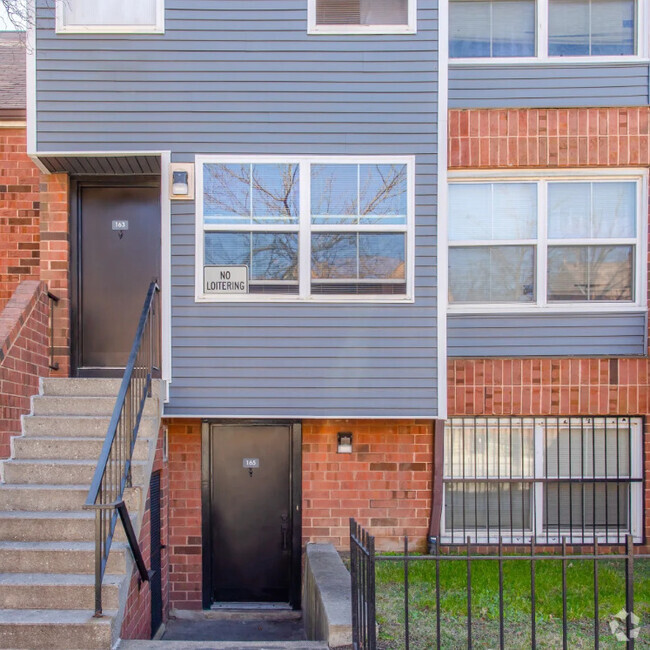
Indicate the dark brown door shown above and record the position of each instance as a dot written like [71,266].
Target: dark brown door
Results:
[119,256]
[250,518]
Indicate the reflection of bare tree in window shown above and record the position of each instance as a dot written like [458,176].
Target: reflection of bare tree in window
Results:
[380,190]
[228,187]
[275,256]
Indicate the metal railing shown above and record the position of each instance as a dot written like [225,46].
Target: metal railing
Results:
[364,560]
[54,300]
[113,473]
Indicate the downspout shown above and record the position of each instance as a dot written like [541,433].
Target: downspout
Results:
[436,483]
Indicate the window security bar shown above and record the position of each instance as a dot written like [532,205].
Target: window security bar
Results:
[542,480]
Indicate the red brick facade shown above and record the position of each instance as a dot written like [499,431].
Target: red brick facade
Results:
[385,483]
[185,551]
[23,356]
[554,137]
[137,616]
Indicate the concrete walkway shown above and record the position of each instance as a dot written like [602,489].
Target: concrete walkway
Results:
[222,645]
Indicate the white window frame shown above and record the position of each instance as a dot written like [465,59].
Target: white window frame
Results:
[542,56]
[541,243]
[537,496]
[156,28]
[315,29]
[305,229]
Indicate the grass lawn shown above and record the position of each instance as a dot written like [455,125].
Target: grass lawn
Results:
[517,603]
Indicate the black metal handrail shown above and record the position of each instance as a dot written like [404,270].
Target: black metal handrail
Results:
[54,300]
[113,473]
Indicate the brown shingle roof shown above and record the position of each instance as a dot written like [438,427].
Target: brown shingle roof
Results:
[13,98]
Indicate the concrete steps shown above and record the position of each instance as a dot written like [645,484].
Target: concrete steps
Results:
[46,537]
[54,628]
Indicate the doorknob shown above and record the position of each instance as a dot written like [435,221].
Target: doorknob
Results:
[284,530]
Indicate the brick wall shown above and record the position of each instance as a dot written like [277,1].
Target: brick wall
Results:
[137,616]
[23,356]
[185,539]
[34,233]
[385,483]
[19,213]
[555,137]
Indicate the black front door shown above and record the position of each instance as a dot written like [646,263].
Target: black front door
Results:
[253,513]
[117,256]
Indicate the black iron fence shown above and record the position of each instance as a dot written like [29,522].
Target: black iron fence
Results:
[364,562]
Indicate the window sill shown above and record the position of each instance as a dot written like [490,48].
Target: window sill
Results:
[607,308]
[112,29]
[362,30]
[293,299]
[543,61]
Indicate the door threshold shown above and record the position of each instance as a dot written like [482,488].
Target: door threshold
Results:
[250,606]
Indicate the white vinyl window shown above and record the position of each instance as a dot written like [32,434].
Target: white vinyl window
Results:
[552,243]
[307,229]
[547,30]
[548,478]
[110,16]
[362,16]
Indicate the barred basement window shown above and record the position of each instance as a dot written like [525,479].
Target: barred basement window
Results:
[547,478]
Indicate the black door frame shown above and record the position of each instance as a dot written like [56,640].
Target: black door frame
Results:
[295,496]
[77,183]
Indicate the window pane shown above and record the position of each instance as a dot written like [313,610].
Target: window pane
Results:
[590,273]
[471,507]
[334,193]
[478,28]
[362,12]
[270,257]
[591,27]
[591,210]
[572,506]
[358,256]
[226,193]
[513,28]
[108,12]
[469,29]
[383,194]
[491,274]
[614,210]
[612,27]
[275,193]
[489,448]
[482,211]
[568,26]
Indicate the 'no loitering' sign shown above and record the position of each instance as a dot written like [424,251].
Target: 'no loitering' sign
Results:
[225,279]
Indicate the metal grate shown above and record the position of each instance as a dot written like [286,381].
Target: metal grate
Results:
[542,479]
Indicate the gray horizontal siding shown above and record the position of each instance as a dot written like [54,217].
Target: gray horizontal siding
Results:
[233,77]
[546,335]
[547,86]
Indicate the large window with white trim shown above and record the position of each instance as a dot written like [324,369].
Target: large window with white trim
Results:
[554,478]
[307,228]
[546,243]
[547,29]
[110,16]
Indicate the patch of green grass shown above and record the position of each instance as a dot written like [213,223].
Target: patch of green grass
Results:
[516,603]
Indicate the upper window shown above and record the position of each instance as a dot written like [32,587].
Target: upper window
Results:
[110,16]
[306,228]
[359,16]
[545,243]
[544,29]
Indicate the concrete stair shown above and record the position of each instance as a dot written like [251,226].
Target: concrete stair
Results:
[46,538]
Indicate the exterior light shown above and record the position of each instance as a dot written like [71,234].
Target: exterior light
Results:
[344,442]
[181,181]
[180,184]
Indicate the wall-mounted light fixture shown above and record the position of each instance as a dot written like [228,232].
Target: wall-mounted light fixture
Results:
[344,442]
[181,181]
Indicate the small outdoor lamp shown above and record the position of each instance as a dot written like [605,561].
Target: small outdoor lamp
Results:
[344,442]
[181,181]
[180,184]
